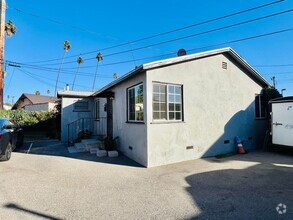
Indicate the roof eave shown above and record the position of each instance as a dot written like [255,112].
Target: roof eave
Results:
[261,79]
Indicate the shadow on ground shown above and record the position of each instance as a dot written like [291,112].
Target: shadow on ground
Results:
[16,207]
[251,193]
[57,148]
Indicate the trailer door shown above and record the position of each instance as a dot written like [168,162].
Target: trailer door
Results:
[282,123]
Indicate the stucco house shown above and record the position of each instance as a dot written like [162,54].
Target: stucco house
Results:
[31,102]
[175,109]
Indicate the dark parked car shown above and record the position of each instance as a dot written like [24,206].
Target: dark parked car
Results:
[10,138]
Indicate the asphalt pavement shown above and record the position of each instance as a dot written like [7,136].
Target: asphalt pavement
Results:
[50,183]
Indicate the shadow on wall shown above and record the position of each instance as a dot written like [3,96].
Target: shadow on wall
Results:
[78,112]
[251,193]
[16,207]
[244,125]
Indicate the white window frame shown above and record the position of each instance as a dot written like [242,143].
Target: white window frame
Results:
[128,100]
[168,102]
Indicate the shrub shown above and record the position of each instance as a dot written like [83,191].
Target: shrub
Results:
[48,122]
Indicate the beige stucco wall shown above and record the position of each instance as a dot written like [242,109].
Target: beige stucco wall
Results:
[68,114]
[130,134]
[218,105]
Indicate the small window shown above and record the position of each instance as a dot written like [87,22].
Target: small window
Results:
[81,106]
[167,102]
[97,109]
[135,103]
[260,107]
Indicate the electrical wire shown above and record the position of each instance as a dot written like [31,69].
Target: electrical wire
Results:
[186,37]
[151,36]
[39,78]
[56,22]
[163,55]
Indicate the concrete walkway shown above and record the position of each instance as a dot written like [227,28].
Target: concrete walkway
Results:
[35,186]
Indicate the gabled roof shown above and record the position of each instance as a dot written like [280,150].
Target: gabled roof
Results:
[34,99]
[172,61]
[80,94]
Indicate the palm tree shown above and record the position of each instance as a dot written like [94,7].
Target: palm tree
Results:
[37,93]
[48,91]
[66,48]
[79,61]
[115,76]
[99,57]
[10,28]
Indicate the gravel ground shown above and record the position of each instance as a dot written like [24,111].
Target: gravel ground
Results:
[49,183]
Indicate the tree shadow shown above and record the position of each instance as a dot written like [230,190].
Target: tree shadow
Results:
[251,193]
[16,207]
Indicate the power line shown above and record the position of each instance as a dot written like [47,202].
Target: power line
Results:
[56,22]
[22,65]
[54,80]
[188,36]
[37,77]
[156,35]
[273,65]
[163,55]
[278,73]
[8,86]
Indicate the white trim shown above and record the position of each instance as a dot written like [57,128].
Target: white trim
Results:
[167,104]
[128,109]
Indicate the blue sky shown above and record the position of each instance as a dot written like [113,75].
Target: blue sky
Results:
[109,23]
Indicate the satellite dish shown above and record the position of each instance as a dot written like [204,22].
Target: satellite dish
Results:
[181,53]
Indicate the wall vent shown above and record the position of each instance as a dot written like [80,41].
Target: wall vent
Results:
[226,141]
[224,65]
[189,147]
[130,148]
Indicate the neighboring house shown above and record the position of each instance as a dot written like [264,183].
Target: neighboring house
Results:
[7,107]
[32,102]
[176,109]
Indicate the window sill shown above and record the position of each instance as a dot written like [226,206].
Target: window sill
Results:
[81,111]
[167,122]
[258,119]
[135,122]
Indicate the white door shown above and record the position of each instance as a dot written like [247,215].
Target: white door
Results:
[282,123]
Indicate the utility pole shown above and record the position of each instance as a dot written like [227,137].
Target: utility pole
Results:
[2,42]
[274,81]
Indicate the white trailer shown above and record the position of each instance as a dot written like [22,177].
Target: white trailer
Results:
[282,121]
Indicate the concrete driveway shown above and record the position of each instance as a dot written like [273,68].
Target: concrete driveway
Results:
[46,186]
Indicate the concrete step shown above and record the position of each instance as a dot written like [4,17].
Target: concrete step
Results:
[72,150]
[80,147]
[94,150]
[113,153]
[92,143]
[101,153]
